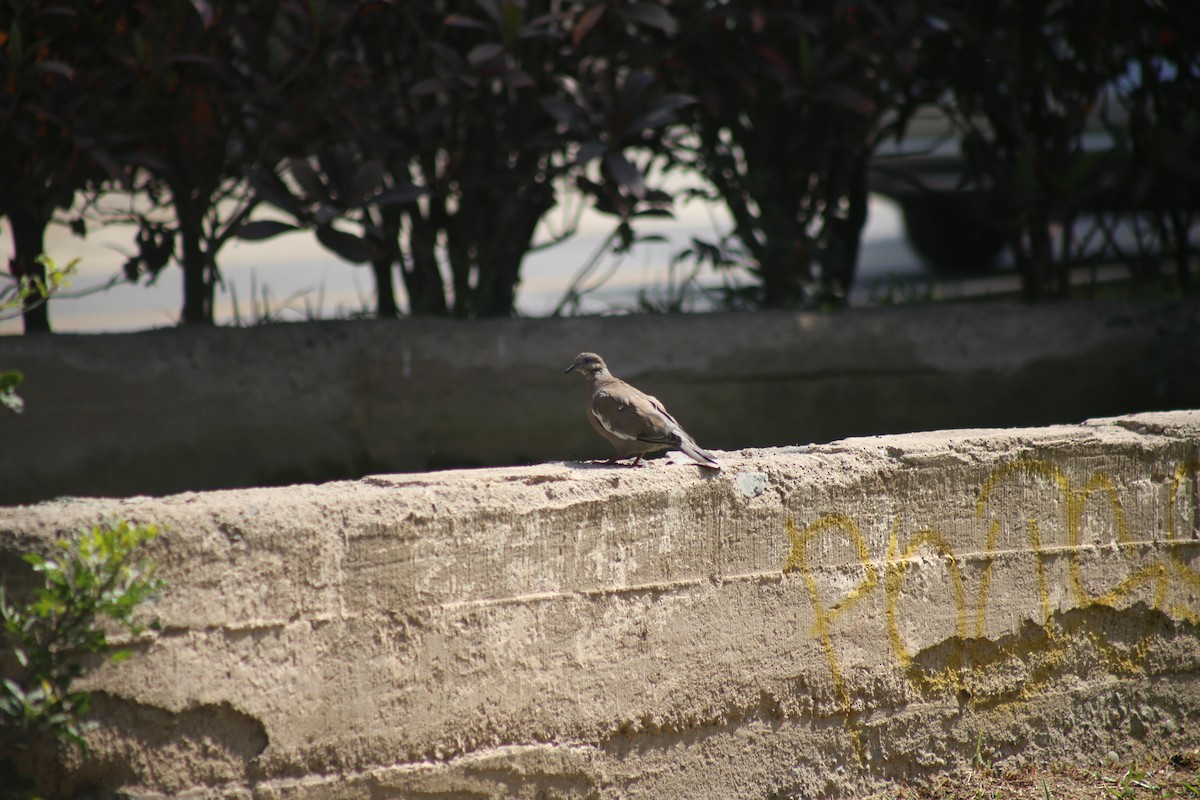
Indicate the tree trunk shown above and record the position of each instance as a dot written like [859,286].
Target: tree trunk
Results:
[385,291]
[509,242]
[389,224]
[29,231]
[1180,227]
[197,282]
[422,275]
[786,258]
[1036,264]
[840,262]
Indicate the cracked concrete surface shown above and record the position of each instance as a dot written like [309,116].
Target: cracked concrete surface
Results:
[809,621]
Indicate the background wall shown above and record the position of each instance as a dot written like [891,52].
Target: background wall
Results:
[172,410]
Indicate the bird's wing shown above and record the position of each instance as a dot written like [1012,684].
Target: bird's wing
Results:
[631,415]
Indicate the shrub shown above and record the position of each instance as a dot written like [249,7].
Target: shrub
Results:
[793,97]
[91,585]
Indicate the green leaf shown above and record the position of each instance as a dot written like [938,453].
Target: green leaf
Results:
[653,15]
[346,245]
[483,53]
[10,379]
[625,173]
[14,690]
[97,573]
[400,194]
[308,179]
[269,188]
[261,229]
[12,401]
[366,181]
[661,112]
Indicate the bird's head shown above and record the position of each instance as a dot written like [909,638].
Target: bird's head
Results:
[588,364]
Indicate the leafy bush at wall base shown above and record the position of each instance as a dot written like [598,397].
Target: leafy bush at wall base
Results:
[91,585]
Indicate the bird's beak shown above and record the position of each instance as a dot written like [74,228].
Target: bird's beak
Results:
[568,369]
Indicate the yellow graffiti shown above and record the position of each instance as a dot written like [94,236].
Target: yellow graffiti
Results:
[1041,654]
[1189,576]
[798,561]
[897,565]
[1076,505]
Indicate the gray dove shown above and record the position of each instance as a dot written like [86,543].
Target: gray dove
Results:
[633,421]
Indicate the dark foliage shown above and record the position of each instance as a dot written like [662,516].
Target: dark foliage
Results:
[1024,82]
[430,140]
[57,121]
[792,99]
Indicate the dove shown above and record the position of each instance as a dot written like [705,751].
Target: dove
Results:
[636,423]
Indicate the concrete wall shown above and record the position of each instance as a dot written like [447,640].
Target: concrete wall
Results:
[173,410]
[809,621]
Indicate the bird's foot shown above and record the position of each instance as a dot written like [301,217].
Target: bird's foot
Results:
[617,462]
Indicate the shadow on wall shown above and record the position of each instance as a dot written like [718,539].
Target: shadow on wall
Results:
[174,410]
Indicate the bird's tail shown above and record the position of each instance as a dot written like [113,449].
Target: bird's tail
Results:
[698,453]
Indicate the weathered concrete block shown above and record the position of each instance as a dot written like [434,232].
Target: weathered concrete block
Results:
[812,620]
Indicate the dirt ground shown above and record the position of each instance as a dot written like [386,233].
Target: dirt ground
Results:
[1174,776]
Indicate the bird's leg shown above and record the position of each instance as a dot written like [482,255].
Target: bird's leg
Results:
[616,461]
